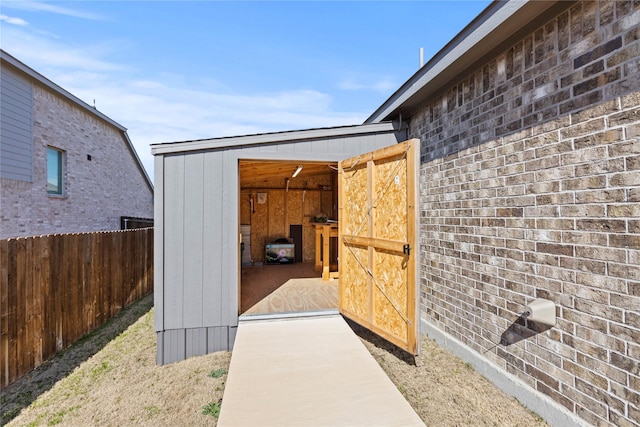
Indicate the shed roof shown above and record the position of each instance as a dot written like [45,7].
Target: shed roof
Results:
[487,34]
[6,58]
[272,138]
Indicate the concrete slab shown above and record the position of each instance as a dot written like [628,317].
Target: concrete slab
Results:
[299,295]
[308,372]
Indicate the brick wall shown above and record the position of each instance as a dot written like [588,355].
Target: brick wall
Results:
[96,192]
[530,188]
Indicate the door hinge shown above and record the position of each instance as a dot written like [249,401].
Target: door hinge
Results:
[406,249]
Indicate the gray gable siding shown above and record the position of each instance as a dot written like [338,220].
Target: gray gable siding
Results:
[16,127]
[197,235]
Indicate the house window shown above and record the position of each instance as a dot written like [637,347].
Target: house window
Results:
[54,171]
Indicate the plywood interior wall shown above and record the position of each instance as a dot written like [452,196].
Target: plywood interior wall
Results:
[306,198]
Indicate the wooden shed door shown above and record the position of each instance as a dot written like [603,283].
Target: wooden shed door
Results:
[377,200]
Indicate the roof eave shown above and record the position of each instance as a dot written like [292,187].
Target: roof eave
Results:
[141,168]
[6,57]
[500,21]
[271,138]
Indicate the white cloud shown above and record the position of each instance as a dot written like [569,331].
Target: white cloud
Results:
[44,50]
[164,107]
[38,6]
[382,85]
[156,112]
[13,21]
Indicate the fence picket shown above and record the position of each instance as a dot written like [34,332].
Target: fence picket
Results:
[4,313]
[40,261]
[12,310]
[21,267]
[29,315]
[56,288]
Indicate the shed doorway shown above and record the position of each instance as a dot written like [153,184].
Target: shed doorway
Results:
[376,197]
[279,208]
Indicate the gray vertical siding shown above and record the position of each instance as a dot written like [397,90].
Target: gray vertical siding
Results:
[211,229]
[230,237]
[16,127]
[197,235]
[174,224]
[192,248]
[192,305]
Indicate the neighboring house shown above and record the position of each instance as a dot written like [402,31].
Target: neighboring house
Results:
[64,166]
[529,124]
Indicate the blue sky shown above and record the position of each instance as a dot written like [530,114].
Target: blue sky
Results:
[181,70]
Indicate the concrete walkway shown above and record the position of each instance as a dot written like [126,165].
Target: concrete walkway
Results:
[308,372]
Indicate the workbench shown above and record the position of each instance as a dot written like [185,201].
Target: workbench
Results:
[324,232]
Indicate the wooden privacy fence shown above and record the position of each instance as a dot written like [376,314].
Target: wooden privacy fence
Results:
[56,288]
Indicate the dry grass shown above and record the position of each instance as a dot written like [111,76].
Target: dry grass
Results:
[121,385]
[116,382]
[444,390]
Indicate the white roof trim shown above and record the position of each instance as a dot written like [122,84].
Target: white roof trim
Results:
[271,138]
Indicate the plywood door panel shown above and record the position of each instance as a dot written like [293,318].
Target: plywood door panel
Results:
[355,289]
[378,275]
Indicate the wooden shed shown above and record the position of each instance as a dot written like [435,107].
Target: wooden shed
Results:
[209,191]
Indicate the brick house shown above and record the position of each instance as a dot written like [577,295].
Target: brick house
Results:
[529,187]
[64,166]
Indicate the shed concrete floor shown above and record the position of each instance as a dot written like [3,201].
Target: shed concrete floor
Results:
[285,289]
[308,372]
[299,295]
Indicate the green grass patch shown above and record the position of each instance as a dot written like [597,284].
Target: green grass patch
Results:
[217,373]
[212,408]
[151,411]
[402,390]
[36,422]
[100,370]
[57,418]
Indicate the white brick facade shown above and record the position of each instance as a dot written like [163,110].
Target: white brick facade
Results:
[97,192]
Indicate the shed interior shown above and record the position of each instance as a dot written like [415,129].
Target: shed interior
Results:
[276,206]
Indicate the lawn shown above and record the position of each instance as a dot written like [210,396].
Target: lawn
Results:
[110,378]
